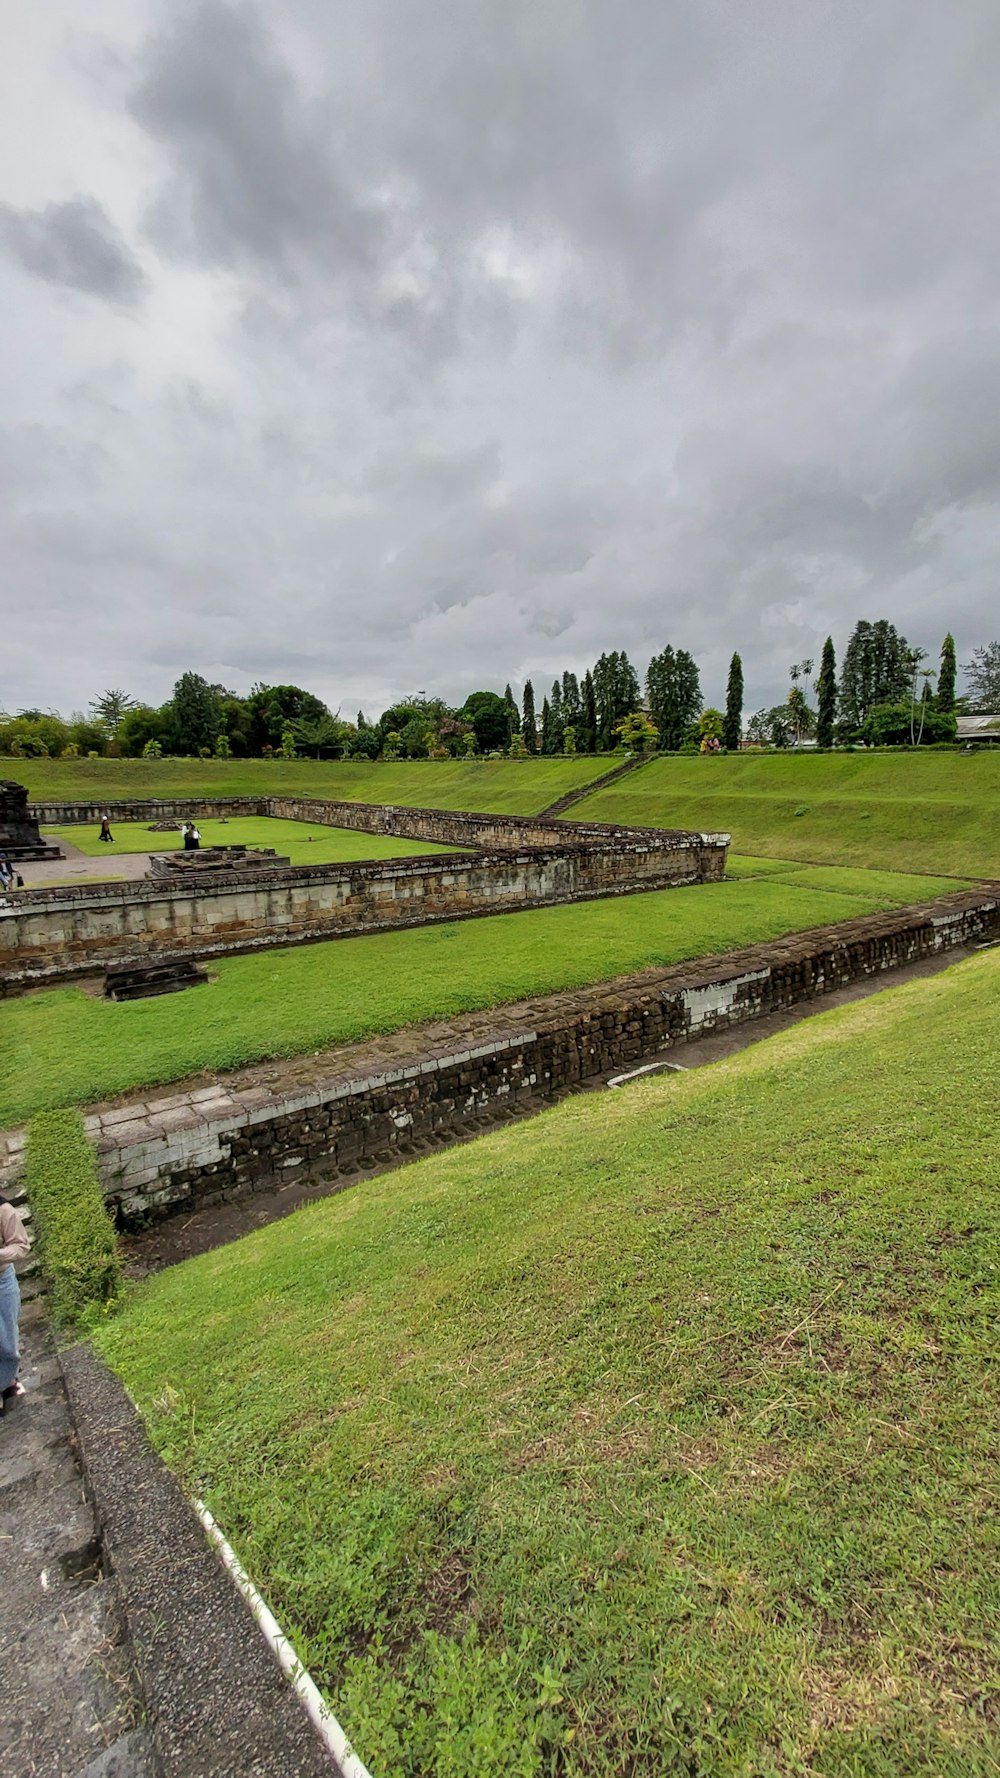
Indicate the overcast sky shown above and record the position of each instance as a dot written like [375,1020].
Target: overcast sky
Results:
[389,346]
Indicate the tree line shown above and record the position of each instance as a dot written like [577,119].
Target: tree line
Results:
[884,694]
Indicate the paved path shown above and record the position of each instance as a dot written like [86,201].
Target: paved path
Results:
[76,867]
[70,1708]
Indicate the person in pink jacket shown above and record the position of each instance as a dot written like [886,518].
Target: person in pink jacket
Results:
[14,1244]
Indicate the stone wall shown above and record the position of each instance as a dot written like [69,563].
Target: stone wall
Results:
[51,934]
[219,1142]
[448,827]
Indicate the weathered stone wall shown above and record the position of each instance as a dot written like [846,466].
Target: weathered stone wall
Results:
[147,809]
[449,827]
[220,1142]
[48,934]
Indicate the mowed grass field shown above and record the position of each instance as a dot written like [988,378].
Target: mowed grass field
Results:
[657,1436]
[510,787]
[63,1046]
[302,842]
[900,811]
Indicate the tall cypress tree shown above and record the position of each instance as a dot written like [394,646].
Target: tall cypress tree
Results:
[513,714]
[547,742]
[732,726]
[946,677]
[556,716]
[826,694]
[572,709]
[673,688]
[529,730]
[876,670]
[588,741]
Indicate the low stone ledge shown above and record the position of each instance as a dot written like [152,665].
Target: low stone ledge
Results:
[218,1704]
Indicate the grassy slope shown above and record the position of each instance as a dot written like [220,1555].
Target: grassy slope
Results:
[512,787]
[657,1436]
[936,812]
[304,842]
[62,1046]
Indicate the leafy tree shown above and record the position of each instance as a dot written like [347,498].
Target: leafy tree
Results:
[588,715]
[236,721]
[893,725]
[152,750]
[222,747]
[983,674]
[732,726]
[364,743]
[636,732]
[771,728]
[490,719]
[287,748]
[826,693]
[517,749]
[273,707]
[801,717]
[710,725]
[324,738]
[946,676]
[139,727]
[569,739]
[529,730]
[195,714]
[875,671]
[110,707]
[673,690]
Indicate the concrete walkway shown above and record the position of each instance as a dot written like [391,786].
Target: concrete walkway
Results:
[71,1707]
[76,867]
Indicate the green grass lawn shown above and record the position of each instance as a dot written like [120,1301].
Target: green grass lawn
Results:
[61,1046]
[302,842]
[900,811]
[512,787]
[657,1436]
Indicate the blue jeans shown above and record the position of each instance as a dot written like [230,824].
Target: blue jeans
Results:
[10,1308]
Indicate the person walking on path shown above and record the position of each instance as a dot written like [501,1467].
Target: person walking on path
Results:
[106,834]
[14,1244]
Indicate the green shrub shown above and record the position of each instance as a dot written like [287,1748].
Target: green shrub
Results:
[76,1236]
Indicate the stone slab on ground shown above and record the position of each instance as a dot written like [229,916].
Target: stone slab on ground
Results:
[219,1706]
[69,1694]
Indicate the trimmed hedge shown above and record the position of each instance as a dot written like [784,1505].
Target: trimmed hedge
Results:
[77,1246]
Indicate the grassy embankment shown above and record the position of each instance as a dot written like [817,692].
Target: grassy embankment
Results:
[303,842]
[62,1046]
[512,787]
[900,811]
[657,1436]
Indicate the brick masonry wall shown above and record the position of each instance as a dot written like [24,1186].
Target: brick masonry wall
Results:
[50,934]
[188,1150]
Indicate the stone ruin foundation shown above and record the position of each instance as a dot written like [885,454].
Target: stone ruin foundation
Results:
[19,835]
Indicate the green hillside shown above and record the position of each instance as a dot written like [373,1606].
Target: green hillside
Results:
[656,1436]
[904,811]
[512,787]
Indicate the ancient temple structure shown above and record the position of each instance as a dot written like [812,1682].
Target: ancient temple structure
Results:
[19,835]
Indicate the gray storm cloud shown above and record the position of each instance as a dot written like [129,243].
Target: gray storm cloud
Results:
[74,244]
[444,346]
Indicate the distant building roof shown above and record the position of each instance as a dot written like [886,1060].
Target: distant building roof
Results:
[982,726]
